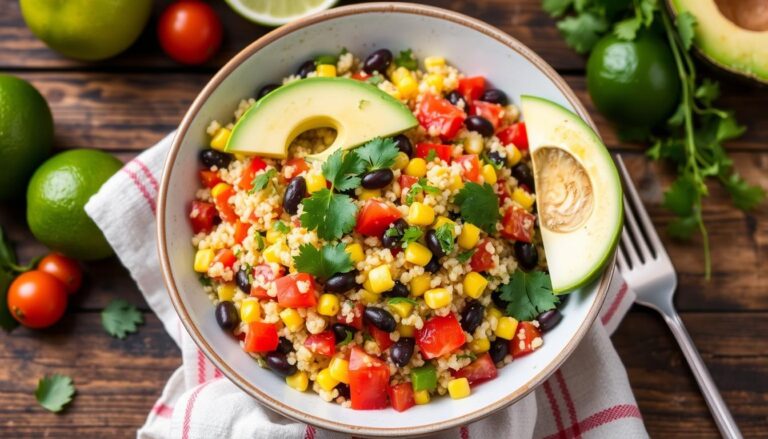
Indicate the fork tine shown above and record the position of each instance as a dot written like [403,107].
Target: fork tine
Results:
[621,262]
[630,223]
[645,220]
[629,248]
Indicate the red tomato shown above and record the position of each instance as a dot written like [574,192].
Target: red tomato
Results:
[502,190]
[355,319]
[440,336]
[260,293]
[226,257]
[375,217]
[65,269]
[482,259]
[368,381]
[518,224]
[360,76]
[471,88]
[470,167]
[262,337]
[37,299]
[443,152]
[489,111]
[522,343]
[323,343]
[406,181]
[246,179]
[226,211]
[289,294]
[438,115]
[294,167]
[479,370]
[381,337]
[514,134]
[202,215]
[209,178]
[401,396]
[241,231]
[189,31]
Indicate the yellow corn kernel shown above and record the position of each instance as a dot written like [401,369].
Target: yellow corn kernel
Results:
[203,260]
[458,388]
[273,236]
[469,236]
[355,252]
[218,189]
[326,71]
[492,311]
[474,144]
[367,194]
[513,155]
[315,182]
[433,62]
[419,214]
[441,220]
[438,297]
[406,330]
[220,139]
[325,380]
[474,284]
[435,81]
[489,174]
[292,319]
[380,279]
[421,397]
[298,381]
[328,305]
[403,309]
[339,369]
[401,161]
[417,167]
[455,183]
[479,345]
[274,252]
[367,296]
[417,254]
[226,291]
[420,284]
[399,73]
[250,310]
[408,87]
[523,198]
[506,328]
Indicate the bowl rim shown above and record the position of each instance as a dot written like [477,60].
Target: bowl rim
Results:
[251,389]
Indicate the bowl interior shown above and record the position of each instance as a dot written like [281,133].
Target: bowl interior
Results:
[473,52]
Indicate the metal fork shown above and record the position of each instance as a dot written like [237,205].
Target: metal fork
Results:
[646,267]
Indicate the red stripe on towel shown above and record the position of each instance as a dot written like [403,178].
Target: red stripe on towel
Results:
[603,417]
[162,410]
[568,402]
[147,173]
[464,432]
[615,304]
[309,432]
[186,426]
[553,406]
[200,367]
[142,189]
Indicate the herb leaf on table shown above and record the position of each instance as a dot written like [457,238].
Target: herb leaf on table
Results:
[54,392]
[120,318]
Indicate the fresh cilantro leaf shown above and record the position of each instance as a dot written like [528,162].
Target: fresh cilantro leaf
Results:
[648,10]
[378,153]
[120,318]
[323,263]
[396,300]
[686,23]
[680,196]
[728,128]
[205,280]
[347,338]
[497,165]
[331,214]
[375,80]
[54,392]
[708,91]
[262,180]
[743,195]
[683,228]
[281,227]
[463,257]
[444,235]
[259,241]
[411,234]
[391,232]
[528,295]
[582,31]
[326,59]
[431,155]
[469,355]
[341,170]
[479,205]
[405,59]
[627,29]
[419,187]
[556,8]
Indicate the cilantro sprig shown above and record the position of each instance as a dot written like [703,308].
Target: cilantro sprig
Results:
[420,187]
[479,205]
[262,180]
[411,235]
[378,153]
[324,262]
[406,59]
[120,318]
[444,235]
[528,295]
[54,392]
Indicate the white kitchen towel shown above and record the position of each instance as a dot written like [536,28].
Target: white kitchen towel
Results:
[588,397]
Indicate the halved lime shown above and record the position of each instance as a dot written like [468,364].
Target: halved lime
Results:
[278,12]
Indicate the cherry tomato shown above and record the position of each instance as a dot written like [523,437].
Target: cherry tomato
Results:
[368,381]
[190,32]
[202,215]
[443,152]
[514,134]
[438,115]
[440,335]
[375,217]
[479,370]
[65,269]
[401,396]
[471,88]
[37,299]
[296,291]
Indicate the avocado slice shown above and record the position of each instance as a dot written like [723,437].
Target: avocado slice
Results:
[578,193]
[358,111]
[730,34]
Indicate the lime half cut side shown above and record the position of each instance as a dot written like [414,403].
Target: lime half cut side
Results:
[278,12]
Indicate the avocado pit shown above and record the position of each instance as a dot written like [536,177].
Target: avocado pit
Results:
[565,193]
[746,14]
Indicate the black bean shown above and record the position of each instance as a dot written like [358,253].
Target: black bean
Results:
[522,173]
[401,225]
[497,157]
[391,240]
[296,191]
[343,390]
[227,316]
[284,346]
[399,290]
[494,96]
[242,279]
[433,266]
[341,330]
[498,301]
[211,157]
[526,254]
[434,244]
[378,61]
[377,179]
[457,99]
[380,318]
[499,349]
[402,351]
[403,143]
[472,316]
[306,68]
[341,282]
[279,363]
[479,124]
[266,90]
[549,319]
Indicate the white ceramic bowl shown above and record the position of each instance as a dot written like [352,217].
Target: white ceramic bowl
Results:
[476,49]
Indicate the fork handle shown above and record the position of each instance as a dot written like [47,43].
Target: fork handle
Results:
[717,407]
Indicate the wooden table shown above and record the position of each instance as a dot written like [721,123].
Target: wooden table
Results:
[128,103]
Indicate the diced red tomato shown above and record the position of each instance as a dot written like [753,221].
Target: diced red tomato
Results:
[260,293]
[487,110]
[518,224]
[246,179]
[226,257]
[360,76]
[323,343]
[241,231]
[294,167]
[515,134]
[522,343]
[375,217]
[202,215]
[406,181]
[355,320]
[226,211]
[289,295]
[443,152]
[401,396]
[262,337]
[471,88]
[470,167]
[209,178]
[368,381]
[482,259]
[436,114]
[502,190]
[440,336]
[480,370]
[381,337]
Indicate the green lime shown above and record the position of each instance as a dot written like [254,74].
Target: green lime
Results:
[87,29]
[633,83]
[56,196]
[278,12]
[26,134]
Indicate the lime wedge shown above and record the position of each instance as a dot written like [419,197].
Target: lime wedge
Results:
[278,12]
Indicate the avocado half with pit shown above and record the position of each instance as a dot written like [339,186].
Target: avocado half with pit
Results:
[731,34]
[358,111]
[578,191]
